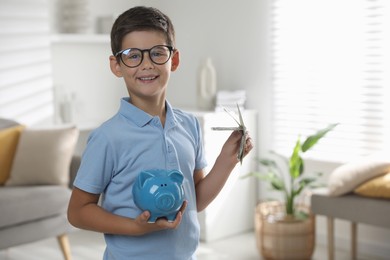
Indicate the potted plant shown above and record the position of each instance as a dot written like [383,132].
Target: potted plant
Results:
[285,230]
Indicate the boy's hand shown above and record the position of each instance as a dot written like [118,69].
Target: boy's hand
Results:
[161,223]
[232,146]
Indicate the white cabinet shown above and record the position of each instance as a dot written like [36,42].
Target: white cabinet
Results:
[232,211]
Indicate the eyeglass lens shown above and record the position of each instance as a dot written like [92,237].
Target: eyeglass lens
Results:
[158,54]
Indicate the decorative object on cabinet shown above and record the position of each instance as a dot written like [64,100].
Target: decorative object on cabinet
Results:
[74,16]
[288,233]
[229,99]
[67,109]
[207,86]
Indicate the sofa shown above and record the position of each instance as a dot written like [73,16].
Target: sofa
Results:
[33,202]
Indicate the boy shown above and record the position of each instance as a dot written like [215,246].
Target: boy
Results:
[146,133]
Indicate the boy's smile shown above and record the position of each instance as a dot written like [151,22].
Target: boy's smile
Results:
[147,79]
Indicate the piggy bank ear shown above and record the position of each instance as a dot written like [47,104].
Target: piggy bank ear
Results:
[176,176]
[143,177]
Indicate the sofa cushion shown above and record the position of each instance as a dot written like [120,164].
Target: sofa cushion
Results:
[25,204]
[43,156]
[378,187]
[9,138]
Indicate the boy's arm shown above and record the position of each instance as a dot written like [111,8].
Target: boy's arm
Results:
[85,213]
[208,187]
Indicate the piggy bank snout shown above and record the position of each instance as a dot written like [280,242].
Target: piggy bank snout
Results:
[165,201]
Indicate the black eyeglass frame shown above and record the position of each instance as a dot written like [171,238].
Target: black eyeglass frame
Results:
[170,48]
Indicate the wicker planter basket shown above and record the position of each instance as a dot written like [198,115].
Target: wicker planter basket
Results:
[278,237]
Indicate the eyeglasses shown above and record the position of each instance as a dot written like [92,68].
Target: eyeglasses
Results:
[133,57]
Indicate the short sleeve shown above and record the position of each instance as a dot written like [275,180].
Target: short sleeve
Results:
[200,161]
[97,164]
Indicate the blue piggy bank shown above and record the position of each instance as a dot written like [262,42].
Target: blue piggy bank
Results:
[160,192]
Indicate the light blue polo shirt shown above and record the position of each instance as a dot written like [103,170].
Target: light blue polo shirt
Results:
[128,143]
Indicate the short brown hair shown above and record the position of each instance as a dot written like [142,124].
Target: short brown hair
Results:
[140,18]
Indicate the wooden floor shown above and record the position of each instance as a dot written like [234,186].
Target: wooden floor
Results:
[90,246]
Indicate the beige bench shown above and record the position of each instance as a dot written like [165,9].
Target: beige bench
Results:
[353,208]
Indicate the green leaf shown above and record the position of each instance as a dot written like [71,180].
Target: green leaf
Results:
[298,191]
[302,167]
[307,181]
[313,139]
[296,162]
[258,175]
[301,215]
[262,176]
[268,163]
[275,181]
[302,184]
[278,184]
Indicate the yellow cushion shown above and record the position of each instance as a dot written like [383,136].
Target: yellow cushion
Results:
[9,138]
[378,187]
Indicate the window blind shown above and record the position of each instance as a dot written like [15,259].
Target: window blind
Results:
[330,64]
[26,89]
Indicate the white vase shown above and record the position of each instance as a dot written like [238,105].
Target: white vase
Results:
[207,86]
[67,108]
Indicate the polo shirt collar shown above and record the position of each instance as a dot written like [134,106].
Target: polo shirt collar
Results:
[171,118]
[140,117]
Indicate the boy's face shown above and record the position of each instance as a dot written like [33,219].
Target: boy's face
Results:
[148,80]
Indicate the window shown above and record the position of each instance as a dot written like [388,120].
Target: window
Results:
[331,65]
[26,89]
